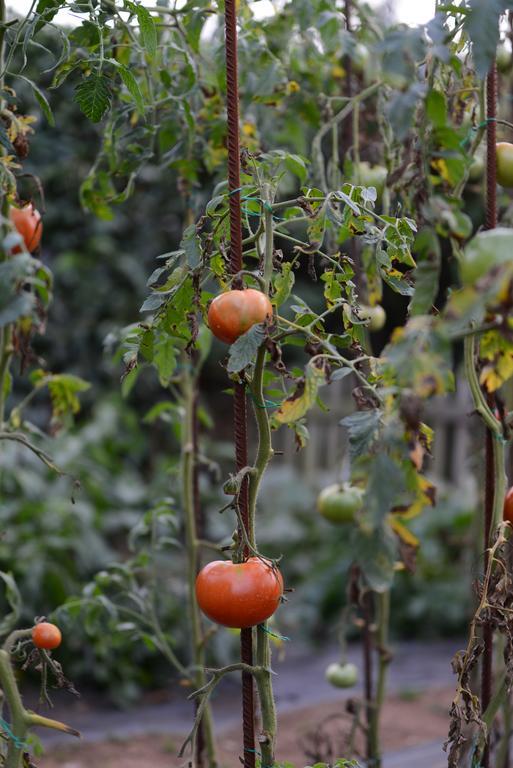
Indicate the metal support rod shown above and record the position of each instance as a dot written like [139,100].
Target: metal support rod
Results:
[240,409]
[491,223]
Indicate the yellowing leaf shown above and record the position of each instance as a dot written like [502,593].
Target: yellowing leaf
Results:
[295,407]
[403,532]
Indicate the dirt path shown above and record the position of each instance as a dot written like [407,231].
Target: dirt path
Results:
[415,717]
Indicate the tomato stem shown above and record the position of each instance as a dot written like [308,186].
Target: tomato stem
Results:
[189,468]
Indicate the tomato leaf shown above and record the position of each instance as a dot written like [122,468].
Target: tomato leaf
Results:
[243,351]
[296,406]
[363,427]
[376,553]
[93,97]
[482,26]
[13,597]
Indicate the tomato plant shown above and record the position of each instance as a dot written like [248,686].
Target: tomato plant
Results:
[239,594]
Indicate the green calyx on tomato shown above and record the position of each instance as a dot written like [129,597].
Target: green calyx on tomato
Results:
[504,157]
[342,675]
[485,251]
[239,595]
[340,503]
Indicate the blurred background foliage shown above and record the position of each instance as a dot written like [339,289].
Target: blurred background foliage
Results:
[63,535]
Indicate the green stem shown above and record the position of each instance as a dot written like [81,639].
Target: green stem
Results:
[192,546]
[478,397]
[500,480]
[18,724]
[265,693]
[265,450]
[383,602]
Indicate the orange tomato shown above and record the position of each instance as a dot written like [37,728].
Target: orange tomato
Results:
[508,506]
[233,313]
[239,595]
[27,221]
[46,636]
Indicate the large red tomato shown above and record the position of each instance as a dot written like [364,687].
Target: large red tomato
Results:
[239,594]
[508,506]
[233,313]
[27,221]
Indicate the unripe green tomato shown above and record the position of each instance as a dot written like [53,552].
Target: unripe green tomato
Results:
[368,175]
[477,168]
[504,59]
[376,316]
[504,154]
[360,58]
[342,675]
[486,250]
[340,503]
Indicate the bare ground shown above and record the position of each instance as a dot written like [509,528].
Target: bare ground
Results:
[408,720]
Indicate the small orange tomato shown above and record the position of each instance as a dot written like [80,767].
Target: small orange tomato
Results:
[239,595]
[508,506]
[46,636]
[27,221]
[233,313]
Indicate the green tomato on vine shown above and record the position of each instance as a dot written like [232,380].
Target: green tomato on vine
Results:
[340,503]
[342,675]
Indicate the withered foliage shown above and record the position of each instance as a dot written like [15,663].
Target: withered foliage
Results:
[468,730]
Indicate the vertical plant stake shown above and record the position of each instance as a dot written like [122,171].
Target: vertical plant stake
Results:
[491,223]
[240,414]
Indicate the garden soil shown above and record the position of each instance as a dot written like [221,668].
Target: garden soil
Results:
[409,720]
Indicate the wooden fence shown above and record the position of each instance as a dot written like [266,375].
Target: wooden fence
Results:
[326,454]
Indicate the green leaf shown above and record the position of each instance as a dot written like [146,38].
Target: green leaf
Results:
[376,554]
[94,97]
[132,87]
[243,351]
[41,100]
[427,251]
[363,427]
[436,108]
[13,598]
[283,283]
[482,26]
[385,482]
[164,360]
[147,28]
[191,244]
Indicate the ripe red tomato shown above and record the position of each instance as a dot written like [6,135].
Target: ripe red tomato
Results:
[508,506]
[46,636]
[233,313]
[504,155]
[27,221]
[239,594]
